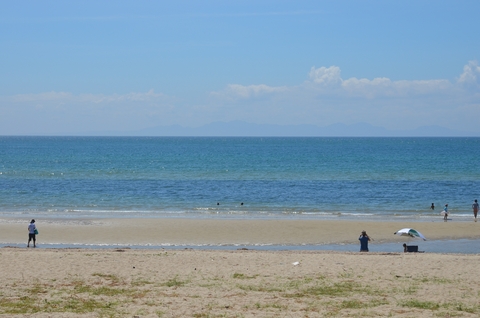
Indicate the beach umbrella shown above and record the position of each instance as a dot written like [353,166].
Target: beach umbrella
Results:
[410,232]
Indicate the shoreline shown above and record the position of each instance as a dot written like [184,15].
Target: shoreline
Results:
[226,232]
[414,216]
[458,246]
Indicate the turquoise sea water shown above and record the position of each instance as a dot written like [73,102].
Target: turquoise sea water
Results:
[68,177]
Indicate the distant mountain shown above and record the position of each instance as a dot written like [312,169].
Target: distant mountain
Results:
[245,129]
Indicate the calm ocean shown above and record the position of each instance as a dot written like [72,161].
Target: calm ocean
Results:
[69,177]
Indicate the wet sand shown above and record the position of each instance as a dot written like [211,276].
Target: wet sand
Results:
[195,232]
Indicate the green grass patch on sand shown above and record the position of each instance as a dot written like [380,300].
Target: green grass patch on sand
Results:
[30,305]
[175,282]
[344,288]
[415,303]
[243,276]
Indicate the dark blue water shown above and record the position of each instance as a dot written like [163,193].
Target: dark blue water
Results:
[273,177]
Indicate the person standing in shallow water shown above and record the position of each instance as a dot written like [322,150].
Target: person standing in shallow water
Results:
[475,209]
[445,213]
[432,206]
[364,239]
[31,233]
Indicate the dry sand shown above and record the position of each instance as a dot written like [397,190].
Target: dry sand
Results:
[244,283]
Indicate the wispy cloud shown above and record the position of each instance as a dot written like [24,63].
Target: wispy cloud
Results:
[156,17]
[57,19]
[64,97]
[257,14]
[64,112]
[249,91]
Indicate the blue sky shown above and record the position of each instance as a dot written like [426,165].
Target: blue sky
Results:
[82,66]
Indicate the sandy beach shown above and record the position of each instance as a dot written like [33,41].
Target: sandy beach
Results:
[242,283]
[125,282]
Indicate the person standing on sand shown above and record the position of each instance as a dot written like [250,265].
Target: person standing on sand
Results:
[31,233]
[445,213]
[364,239]
[475,209]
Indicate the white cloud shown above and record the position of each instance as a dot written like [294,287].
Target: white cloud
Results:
[377,87]
[368,88]
[385,87]
[327,81]
[471,73]
[325,75]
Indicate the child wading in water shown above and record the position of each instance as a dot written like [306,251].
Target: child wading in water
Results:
[445,213]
